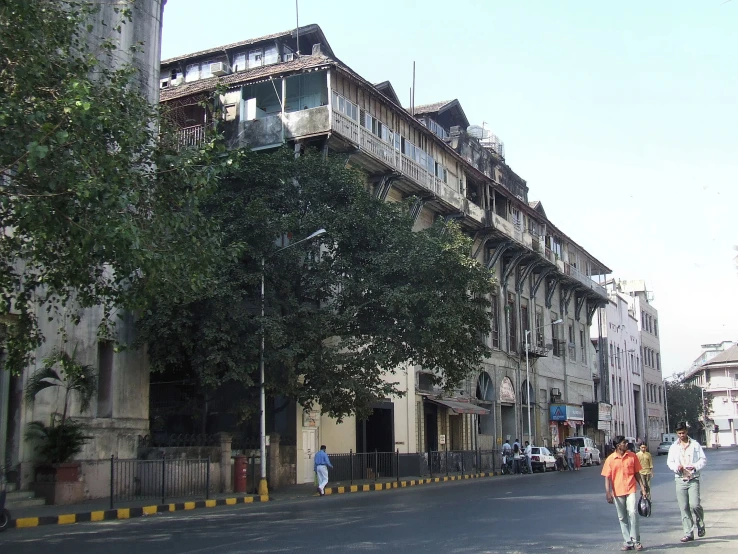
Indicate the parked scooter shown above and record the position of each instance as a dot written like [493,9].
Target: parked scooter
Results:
[4,514]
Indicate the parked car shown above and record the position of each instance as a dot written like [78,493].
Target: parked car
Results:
[587,450]
[663,448]
[541,459]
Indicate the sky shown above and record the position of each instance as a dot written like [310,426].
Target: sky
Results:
[621,116]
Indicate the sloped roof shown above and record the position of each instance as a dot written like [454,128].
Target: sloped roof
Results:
[537,206]
[447,113]
[386,88]
[730,356]
[430,108]
[249,75]
[305,30]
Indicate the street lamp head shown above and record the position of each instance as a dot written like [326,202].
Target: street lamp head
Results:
[315,234]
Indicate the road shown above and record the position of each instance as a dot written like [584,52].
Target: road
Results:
[564,512]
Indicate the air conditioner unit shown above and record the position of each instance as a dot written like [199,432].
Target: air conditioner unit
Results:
[735,399]
[177,81]
[218,68]
[164,83]
[288,57]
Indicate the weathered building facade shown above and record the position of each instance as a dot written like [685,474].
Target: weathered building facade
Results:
[119,411]
[290,88]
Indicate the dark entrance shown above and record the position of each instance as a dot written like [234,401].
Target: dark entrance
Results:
[377,432]
[431,426]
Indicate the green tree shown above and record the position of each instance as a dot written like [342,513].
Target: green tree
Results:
[684,401]
[95,206]
[341,312]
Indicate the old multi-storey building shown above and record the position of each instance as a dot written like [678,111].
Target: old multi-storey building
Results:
[289,88]
[640,302]
[716,373]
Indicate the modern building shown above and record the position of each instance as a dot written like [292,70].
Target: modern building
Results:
[290,88]
[621,370]
[717,376]
[641,304]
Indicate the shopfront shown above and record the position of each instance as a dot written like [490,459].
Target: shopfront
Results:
[566,420]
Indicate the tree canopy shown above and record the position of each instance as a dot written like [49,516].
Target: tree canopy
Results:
[684,401]
[343,310]
[95,205]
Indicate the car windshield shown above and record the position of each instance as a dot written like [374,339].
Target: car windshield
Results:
[535,450]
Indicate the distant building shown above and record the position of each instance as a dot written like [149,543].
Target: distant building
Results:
[640,302]
[718,378]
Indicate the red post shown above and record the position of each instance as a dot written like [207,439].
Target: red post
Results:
[240,468]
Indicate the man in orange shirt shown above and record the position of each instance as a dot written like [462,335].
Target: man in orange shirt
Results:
[621,472]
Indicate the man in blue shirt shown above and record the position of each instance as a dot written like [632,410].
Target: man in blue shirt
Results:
[322,463]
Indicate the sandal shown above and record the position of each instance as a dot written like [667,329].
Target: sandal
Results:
[638,546]
[701,531]
[626,547]
[687,538]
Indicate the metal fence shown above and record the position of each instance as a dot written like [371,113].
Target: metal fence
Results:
[132,480]
[375,466]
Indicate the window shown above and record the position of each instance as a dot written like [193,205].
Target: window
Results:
[105,379]
[572,343]
[346,107]
[239,61]
[620,383]
[656,327]
[558,347]
[512,323]
[524,319]
[192,72]
[256,57]
[612,355]
[618,358]
[659,395]
[495,323]
[305,91]
[271,55]
[539,326]
[658,361]
[441,172]
[583,345]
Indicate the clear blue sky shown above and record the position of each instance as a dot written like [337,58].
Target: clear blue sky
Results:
[621,116]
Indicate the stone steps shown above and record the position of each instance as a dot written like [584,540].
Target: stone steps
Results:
[23,499]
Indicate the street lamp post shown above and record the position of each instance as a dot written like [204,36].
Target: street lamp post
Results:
[263,488]
[527,370]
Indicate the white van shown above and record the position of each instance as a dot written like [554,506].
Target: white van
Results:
[587,450]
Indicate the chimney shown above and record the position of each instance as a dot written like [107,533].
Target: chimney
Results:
[316,49]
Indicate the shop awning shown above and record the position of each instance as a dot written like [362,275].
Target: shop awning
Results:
[459,407]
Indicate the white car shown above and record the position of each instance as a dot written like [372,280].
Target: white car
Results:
[541,459]
[589,453]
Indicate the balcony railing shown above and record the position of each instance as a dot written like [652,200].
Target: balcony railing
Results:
[191,137]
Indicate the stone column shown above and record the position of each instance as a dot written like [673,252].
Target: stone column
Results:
[274,461]
[226,469]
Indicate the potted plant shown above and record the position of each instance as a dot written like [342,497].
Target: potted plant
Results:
[63,438]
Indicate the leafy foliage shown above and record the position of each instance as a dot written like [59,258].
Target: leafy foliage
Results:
[94,206]
[57,443]
[342,311]
[685,402]
[63,438]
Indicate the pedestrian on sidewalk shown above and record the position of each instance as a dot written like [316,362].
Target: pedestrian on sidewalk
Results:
[569,451]
[686,459]
[529,454]
[322,463]
[644,456]
[577,458]
[516,458]
[621,472]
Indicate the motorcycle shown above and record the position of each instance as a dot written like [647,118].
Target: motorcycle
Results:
[507,465]
[4,514]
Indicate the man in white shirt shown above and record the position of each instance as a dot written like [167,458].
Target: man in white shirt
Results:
[686,459]
[506,452]
[528,452]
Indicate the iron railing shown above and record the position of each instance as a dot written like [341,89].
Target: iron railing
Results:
[133,480]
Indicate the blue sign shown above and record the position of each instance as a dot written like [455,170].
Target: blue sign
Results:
[558,412]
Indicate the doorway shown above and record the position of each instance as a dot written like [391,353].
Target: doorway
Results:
[377,432]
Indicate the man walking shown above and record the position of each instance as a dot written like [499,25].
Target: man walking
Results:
[644,456]
[621,472]
[686,459]
[529,454]
[322,463]
[569,451]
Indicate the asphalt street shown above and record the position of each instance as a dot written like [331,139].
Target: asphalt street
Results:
[565,512]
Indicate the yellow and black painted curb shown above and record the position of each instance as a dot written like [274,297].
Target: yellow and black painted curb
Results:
[403,484]
[128,513]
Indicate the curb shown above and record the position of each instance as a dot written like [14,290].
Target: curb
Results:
[128,513]
[402,484]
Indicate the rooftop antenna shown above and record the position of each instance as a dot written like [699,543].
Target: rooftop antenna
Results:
[297,21]
[412,95]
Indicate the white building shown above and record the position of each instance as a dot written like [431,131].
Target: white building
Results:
[621,368]
[639,299]
[718,377]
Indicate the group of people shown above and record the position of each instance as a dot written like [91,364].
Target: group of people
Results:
[568,458]
[516,452]
[623,470]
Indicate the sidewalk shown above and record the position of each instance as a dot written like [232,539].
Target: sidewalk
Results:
[99,510]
